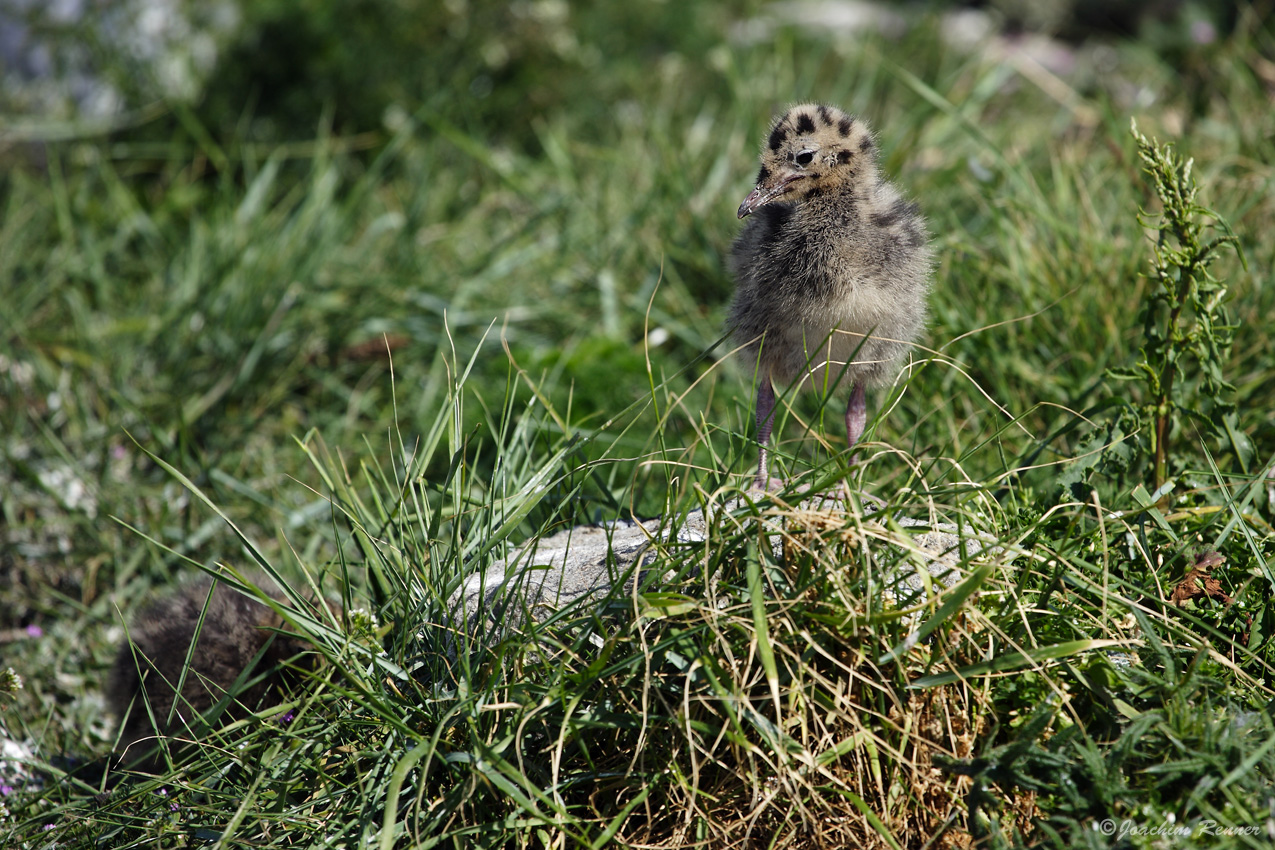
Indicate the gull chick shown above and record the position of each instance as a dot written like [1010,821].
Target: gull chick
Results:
[832,269]
[214,643]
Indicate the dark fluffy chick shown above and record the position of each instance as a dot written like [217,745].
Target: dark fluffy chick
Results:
[832,268]
[149,666]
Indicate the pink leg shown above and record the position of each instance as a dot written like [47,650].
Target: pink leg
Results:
[765,420]
[856,416]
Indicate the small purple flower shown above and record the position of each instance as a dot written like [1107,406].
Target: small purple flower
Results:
[1203,32]
[172,807]
[48,826]
[6,789]
[287,717]
[34,631]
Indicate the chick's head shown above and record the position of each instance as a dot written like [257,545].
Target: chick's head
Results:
[811,149]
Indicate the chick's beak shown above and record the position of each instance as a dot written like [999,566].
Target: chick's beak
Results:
[755,199]
[764,194]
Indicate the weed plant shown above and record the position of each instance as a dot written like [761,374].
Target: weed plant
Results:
[380,360]
[1184,319]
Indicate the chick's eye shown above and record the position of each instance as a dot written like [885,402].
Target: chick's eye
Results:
[805,158]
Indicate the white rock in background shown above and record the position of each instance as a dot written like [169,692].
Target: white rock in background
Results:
[60,57]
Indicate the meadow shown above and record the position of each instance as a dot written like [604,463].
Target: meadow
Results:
[400,292]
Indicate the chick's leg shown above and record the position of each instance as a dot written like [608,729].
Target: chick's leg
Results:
[856,416]
[765,420]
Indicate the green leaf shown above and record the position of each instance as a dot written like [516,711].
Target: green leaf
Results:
[953,599]
[1016,660]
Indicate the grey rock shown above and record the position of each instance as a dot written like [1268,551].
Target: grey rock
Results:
[547,574]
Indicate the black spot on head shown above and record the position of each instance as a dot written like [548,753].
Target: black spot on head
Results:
[866,144]
[912,236]
[824,115]
[763,175]
[777,137]
[844,127]
[844,156]
[805,124]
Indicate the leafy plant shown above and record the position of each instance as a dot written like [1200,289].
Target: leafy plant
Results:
[1185,323]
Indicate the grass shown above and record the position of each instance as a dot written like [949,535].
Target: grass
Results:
[385,355]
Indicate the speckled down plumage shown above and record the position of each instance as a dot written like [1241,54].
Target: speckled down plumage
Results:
[836,269]
[832,270]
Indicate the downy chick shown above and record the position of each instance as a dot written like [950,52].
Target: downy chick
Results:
[235,630]
[832,268]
